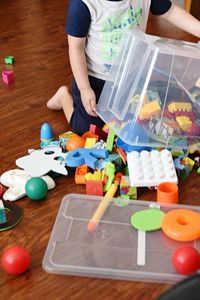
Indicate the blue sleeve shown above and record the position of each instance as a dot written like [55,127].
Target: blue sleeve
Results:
[78,19]
[159,7]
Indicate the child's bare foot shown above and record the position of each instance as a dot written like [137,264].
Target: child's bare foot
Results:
[55,102]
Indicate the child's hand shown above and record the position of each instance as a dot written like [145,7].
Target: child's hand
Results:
[89,101]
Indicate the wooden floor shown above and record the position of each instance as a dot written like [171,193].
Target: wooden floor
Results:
[33,31]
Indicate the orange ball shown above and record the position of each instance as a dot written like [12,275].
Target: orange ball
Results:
[74,142]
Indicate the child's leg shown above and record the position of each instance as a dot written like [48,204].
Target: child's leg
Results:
[62,100]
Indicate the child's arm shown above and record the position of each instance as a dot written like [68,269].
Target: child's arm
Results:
[182,19]
[79,69]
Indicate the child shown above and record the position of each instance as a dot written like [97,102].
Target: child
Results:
[95,28]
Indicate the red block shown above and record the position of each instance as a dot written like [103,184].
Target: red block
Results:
[94,187]
[8,76]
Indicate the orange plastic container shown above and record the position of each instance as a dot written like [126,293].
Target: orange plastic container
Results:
[167,192]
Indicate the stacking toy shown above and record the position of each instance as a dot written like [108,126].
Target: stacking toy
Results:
[46,133]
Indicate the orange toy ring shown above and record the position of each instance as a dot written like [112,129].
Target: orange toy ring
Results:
[182,225]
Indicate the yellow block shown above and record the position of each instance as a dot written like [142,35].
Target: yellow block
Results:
[90,142]
[149,110]
[179,106]
[184,122]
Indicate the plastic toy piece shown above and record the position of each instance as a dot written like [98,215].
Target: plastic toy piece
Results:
[15,215]
[80,174]
[179,106]
[184,122]
[2,213]
[182,225]
[183,170]
[9,60]
[96,176]
[64,138]
[167,192]
[90,142]
[89,134]
[8,76]
[50,144]
[148,219]
[151,168]
[94,187]
[82,156]
[151,109]
[110,172]
[121,153]
[102,135]
[36,188]
[127,189]
[110,140]
[46,133]
[94,221]
[42,161]
[75,142]
[16,180]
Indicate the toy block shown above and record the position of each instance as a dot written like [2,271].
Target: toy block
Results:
[126,188]
[110,140]
[100,145]
[150,168]
[9,60]
[89,134]
[98,131]
[118,177]
[7,76]
[121,153]
[90,142]
[179,106]
[94,188]
[2,213]
[64,137]
[83,156]
[110,172]
[182,170]
[80,174]
[188,161]
[151,109]
[96,176]
[184,122]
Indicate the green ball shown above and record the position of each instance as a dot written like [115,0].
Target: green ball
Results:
[36,188]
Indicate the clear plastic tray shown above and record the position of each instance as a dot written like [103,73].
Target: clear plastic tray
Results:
[110,252]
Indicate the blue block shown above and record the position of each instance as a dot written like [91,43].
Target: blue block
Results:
[80,156]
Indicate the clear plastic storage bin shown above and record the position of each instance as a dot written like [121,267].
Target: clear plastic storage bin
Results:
[152,97]
[112,251]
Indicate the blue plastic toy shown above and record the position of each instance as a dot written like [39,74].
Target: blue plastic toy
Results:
[46,133]
[82,156]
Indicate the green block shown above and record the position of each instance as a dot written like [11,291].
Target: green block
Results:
[9,59]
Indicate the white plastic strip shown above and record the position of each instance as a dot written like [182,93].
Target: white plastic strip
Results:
[141,250]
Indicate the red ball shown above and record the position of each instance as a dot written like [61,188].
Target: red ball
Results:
[186,260]
[15,260]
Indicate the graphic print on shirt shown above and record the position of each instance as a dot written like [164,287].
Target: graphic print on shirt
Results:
[113,28]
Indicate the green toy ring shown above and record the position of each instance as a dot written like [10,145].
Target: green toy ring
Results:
[16,213]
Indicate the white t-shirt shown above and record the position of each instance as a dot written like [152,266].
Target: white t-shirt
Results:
[109,22]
